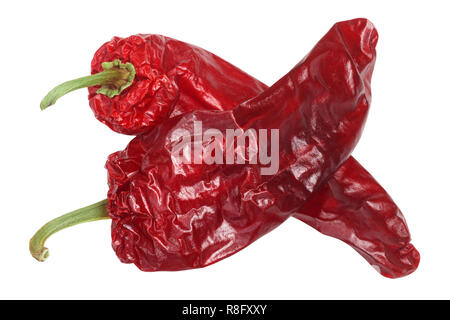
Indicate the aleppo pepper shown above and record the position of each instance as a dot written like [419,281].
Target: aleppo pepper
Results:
[249,110]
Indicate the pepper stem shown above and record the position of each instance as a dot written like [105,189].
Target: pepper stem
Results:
[96,211]
[115,77]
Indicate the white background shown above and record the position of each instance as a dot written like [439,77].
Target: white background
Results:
[53,162]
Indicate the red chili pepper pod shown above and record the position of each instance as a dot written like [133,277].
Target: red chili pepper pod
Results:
[168,77]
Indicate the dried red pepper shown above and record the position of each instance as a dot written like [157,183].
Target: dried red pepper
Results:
[252,111]
[158,80]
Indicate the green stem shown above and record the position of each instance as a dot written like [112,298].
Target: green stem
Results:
[115,78]
[96,211]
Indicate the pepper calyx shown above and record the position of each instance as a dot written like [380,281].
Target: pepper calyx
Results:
[123,81]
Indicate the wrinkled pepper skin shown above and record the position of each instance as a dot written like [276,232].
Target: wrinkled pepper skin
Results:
[173,216]
[354,208]
[168,82]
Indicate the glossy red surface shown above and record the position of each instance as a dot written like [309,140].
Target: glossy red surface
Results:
[341,208]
